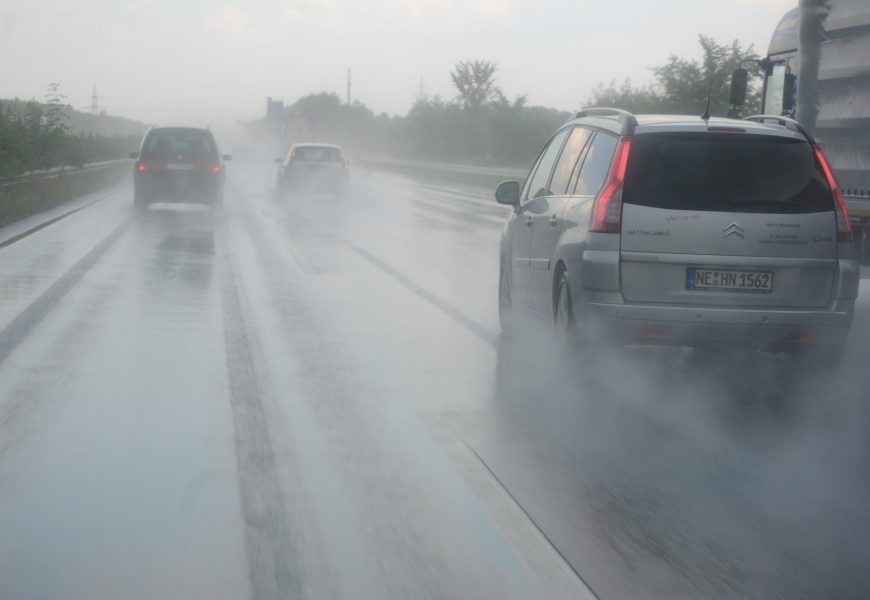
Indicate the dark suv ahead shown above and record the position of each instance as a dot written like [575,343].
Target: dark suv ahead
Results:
[178,164]
[682,230]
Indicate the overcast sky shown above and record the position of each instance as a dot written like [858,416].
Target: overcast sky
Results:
[199,61]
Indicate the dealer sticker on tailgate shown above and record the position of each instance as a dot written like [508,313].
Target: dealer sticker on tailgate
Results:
[730,281]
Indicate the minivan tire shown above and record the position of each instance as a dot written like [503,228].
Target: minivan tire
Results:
[564,323]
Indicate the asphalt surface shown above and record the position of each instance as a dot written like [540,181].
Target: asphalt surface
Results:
[307,396]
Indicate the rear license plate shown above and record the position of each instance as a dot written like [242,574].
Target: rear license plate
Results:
[180,167]
[729,281]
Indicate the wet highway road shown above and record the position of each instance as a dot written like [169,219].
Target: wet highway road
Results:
[308,397]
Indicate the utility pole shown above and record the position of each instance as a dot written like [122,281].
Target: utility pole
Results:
[348,86]
[95,101]
[811,35]
[421,92]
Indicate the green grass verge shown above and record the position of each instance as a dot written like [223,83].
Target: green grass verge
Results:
[27,198]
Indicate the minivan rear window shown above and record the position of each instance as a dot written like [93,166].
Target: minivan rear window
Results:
[725,172]
[179,144]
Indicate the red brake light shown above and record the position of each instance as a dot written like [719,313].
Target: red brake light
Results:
[607,210]
[844,227]
[145,166]
[216,169]
[726,129]
[341,156]
[293,154]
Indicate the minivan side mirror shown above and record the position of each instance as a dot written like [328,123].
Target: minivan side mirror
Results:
[508,192]
[227,157]
[134,155]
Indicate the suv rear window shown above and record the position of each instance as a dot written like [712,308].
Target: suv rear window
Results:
[179,144]
[726,173]
[324,153]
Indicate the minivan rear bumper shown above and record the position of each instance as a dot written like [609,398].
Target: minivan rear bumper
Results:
[195,187]
[693,326]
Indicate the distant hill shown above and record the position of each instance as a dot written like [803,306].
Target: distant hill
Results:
[82,122]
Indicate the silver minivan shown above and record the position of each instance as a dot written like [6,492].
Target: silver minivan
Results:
[681,230]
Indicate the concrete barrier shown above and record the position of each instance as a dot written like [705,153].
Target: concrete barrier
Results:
[61,171]
[34,192]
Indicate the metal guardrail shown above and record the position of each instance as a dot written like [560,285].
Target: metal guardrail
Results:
[858,207]
[490,173]
[58,171]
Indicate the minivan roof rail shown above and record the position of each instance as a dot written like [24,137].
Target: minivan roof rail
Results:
[785,122]
[628,120]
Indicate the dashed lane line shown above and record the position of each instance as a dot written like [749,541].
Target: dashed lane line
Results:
[480,331]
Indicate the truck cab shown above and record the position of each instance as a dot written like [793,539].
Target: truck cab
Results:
[838,61]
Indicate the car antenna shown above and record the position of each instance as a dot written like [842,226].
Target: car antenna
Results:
[706,115]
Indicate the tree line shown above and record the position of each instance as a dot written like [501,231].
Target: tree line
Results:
[36,135]
[480,125]
[682,86]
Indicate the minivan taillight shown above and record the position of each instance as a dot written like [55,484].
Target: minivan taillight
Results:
[144,166]
[844,227]
[607,210]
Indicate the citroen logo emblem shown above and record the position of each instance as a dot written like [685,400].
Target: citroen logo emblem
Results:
[733,229]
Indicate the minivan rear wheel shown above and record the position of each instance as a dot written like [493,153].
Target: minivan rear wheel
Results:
[564,324]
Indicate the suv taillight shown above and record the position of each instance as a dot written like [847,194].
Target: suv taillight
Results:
[293,155]
[607,210]
[844,228]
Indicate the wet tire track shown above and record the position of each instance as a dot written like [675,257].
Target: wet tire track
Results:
[350,430]
[22,406]
[22,325]
[272,557]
